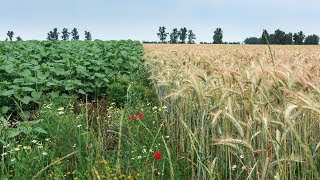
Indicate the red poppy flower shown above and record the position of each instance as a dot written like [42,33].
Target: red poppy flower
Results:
[133,117]
[140,115]
[157,155]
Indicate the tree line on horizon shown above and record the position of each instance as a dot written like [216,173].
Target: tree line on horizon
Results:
[278,37]
[185,36]
[54,35]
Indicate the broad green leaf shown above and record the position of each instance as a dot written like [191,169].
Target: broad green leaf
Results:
[26,73]
[31,79]
[13,133]
[9,92]
[36,95]
[99,75]
[26,99]
[17,81]
[54,95]
[40,130]
[124,54]
[25,129]
[81,91]
[27,89]
[4,109]
[99,84]
[32,122]
[69,87]
[120,60]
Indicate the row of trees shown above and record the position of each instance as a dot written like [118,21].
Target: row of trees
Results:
[54,35]
[184,35]
[65,34]
[280,37]
[176,36]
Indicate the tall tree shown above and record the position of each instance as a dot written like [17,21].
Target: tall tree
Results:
[55,34]
[19,38]
[65,34]
[288,39]
[298,38]
[312,40]
[265,37]
[183,35]
[87,35]
[75,34]
[49,35]
[279,37]
[191,37]
[174,36]
[10,35]
[218,35]
[272,39]
[162,34]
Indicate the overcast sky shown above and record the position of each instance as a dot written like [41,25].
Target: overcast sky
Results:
[140,19]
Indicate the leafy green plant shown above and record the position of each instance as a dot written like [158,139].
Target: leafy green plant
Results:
[28,128]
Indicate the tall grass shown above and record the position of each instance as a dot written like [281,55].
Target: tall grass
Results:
[235,112]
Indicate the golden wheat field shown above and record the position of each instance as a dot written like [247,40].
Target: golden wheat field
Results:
[241,111]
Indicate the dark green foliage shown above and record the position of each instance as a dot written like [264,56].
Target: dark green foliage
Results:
[10,35]
[75,34]
[218,35]
[288,39]
[53,35]
[272,39]
[65,34]
[19,38]
[191,37]
[30,71]
[183,35]
[264,37]
[298,38]
[252,40]
[279,37]
[117,92]
[133,88]
[87,36]
[312,40]
[162,34]
[174,36]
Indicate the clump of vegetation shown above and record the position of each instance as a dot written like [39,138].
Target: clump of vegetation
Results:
[31,71]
